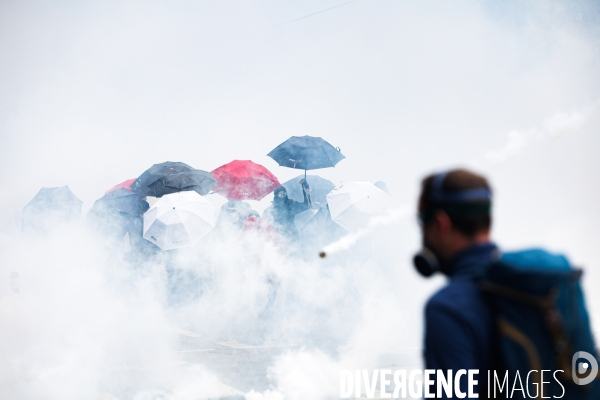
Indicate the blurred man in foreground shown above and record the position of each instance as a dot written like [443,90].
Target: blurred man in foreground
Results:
[506,317]
[454,214]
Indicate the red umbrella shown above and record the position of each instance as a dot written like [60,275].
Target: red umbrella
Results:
[124,185]
[244,180]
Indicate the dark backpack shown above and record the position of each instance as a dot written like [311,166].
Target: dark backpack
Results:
[542,322]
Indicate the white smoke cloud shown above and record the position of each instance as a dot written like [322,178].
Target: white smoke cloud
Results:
[554,127]
[517,141]
[76,318]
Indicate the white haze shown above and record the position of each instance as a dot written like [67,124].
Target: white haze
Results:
[93,93]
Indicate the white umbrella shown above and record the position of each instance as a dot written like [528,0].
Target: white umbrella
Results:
[179,220]
[353,204]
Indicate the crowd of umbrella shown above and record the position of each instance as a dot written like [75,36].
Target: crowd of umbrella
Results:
[182,215]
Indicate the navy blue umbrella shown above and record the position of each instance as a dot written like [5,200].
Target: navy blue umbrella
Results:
[172,177]
[196,180]
[158,171]
[306,152]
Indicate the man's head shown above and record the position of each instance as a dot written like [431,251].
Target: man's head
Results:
[279,196]
[454,213]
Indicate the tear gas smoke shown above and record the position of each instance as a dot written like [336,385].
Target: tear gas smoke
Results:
[554,127]
[92,319]
[559,124]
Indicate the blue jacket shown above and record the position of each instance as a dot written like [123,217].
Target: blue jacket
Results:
[458,322]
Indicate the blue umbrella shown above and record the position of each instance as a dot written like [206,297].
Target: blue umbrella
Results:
[116,211]
[50,206]
[320,187]
[121,201]
[306,152]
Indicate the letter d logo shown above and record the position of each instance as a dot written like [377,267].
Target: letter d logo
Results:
[582,368]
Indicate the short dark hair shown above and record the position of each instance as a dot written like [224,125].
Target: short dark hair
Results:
[466,222]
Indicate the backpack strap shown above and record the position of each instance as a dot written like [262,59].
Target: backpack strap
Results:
[509,330]
[552,317]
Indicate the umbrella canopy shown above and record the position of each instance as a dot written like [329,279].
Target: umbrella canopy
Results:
[172,177]
[121,201]
[116,212]
[197,180]
[123,185]
[49,207]
[303,218]
[179,220]
[306,152]
[354,203]
[244,180]
[320,187]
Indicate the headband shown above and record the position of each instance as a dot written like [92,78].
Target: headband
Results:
[439,196]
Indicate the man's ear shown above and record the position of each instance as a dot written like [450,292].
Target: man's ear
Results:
[443,221]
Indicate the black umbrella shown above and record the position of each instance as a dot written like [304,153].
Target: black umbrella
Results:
[306,152]
[172,177]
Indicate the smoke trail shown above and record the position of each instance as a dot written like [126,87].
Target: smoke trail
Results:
[554,127]
[346,242]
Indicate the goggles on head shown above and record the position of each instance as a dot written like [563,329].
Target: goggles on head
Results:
[461,202]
